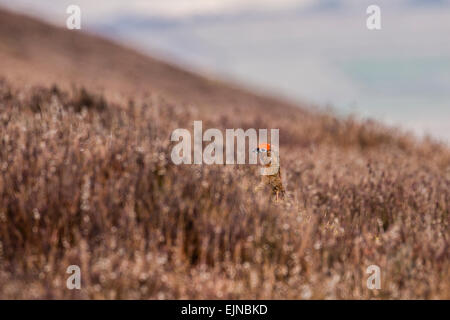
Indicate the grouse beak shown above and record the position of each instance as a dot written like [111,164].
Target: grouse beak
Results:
[256,150]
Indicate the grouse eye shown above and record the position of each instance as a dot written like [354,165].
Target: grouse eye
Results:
[263,150]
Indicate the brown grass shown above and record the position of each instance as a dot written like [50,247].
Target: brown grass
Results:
[86,179]
[91,183]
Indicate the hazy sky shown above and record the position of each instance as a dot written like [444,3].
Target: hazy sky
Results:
[169,8]
[100,9]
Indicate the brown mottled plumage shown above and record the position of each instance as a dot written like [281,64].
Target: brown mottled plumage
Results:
[270,172]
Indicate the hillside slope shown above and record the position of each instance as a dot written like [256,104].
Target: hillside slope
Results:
[86,178]
[36,52]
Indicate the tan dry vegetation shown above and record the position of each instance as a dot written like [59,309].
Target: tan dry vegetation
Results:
[86,179]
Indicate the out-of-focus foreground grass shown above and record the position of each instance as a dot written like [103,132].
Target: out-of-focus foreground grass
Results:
[87,181]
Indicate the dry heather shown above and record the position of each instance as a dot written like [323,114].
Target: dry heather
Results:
[87,181]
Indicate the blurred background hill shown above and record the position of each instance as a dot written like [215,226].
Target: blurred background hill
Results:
[312,52]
